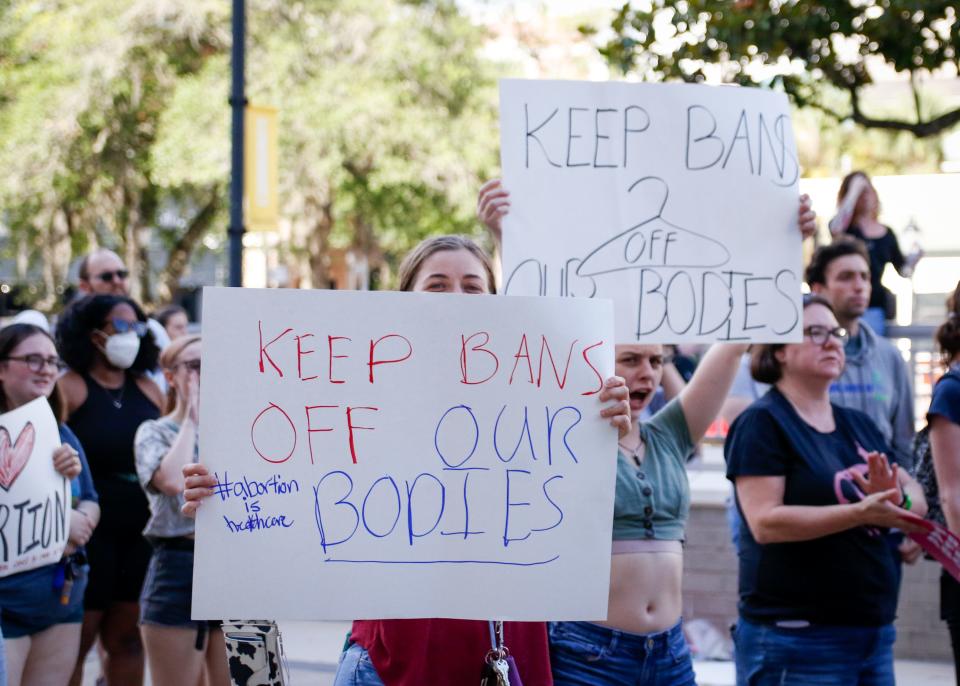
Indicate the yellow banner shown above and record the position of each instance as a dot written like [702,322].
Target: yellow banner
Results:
[260,169]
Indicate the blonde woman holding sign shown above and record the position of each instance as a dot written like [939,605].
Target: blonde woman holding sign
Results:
[412,652]
[41,609]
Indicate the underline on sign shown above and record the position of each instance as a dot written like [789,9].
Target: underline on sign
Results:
[444,562]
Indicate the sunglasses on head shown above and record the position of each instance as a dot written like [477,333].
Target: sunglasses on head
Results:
[108,277]
[123,326]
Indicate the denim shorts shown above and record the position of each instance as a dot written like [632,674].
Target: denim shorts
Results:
[356,669]
[588,654]
[29,603]
[168,589]
[814,655]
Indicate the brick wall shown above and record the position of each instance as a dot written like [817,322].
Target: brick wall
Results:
[710,589]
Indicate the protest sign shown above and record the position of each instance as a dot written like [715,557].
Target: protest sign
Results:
[34,498]
[939,543]
[386,455]
[677,201]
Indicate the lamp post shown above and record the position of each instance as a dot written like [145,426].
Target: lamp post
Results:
[238,102]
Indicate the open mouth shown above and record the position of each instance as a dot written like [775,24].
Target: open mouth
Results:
[638,397]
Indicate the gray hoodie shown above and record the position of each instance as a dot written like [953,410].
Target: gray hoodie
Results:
[876,381]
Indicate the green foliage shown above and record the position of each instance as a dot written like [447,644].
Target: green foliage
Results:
[115,124]
[799,44]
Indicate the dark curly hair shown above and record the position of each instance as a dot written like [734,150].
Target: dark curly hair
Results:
[948,333]
[816,272]
[89,314]
[10,337]
[764,365]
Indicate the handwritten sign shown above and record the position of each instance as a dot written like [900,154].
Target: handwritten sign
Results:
[677,201]
[34,498]
[386,455]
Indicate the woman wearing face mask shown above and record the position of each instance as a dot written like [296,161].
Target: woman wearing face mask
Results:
[411,652]
[41,609]
[105,341]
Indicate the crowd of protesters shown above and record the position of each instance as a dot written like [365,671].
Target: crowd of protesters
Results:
[820,454]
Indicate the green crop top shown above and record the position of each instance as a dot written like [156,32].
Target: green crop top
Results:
[652,500]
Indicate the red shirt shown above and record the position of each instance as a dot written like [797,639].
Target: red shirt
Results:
[449,652]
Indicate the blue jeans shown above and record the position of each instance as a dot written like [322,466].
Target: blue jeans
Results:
[588,654]
[356,669]
[816,655]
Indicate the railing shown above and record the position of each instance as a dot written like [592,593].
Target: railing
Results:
[919,351]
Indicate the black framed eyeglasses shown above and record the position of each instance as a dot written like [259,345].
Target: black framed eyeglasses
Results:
[123,326]
[820,334]
[119,274]
[37,362]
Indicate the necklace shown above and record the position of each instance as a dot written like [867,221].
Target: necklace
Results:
[632,452]
[115,397]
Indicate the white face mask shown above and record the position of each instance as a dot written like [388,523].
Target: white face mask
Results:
[122,348]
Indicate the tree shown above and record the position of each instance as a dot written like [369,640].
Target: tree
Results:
[83,86]
[114,127]
[802,44]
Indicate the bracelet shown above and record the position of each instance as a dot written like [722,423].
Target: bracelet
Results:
[906,503]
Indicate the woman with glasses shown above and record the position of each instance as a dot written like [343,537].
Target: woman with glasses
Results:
[41,609]
[818,586]
[180,652]
[105,341]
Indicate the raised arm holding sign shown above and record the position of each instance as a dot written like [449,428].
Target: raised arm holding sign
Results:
[677,271]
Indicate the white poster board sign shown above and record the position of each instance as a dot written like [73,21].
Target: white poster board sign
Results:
[677,201]
[388,455]
[34,497]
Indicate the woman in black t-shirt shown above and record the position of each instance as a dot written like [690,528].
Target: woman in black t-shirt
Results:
[106,343]
[818,586]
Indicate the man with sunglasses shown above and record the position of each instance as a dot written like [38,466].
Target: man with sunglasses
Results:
[875,379]
[102,272]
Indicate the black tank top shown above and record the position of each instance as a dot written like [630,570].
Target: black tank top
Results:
[106,424]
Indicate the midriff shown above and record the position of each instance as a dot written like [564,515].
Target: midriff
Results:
[645,592]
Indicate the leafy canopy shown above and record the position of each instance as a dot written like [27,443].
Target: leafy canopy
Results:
[799,44]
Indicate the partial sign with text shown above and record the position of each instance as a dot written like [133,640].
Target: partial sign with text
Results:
[677,201]
[383,455]
[34,499]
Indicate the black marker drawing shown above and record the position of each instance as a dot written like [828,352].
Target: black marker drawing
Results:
[653,242]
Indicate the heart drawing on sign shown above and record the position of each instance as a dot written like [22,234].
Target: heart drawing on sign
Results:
[14,458]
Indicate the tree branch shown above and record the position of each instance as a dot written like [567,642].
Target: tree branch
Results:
[920,129]
[183,248]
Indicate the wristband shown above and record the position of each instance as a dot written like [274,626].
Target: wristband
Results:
[906,503]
